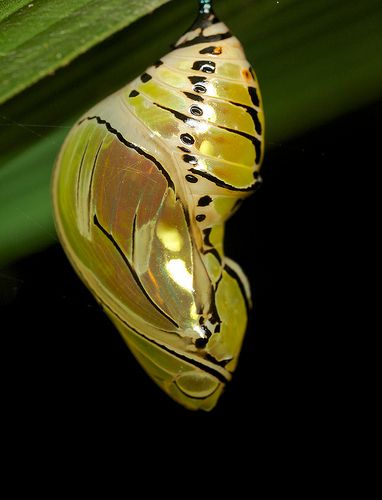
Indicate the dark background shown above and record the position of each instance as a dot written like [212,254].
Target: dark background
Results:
[67,370]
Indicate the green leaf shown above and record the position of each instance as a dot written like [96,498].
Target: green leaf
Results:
[39,36]
[315,61]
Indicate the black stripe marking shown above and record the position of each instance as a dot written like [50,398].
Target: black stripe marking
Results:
[206,239]
[216,287]
[184,118]
[255,141]
[180,116]
[186,150]
[133,236]
[192,361]
[221,363]
[197,79]
[257,145]
[215,253]
[204,39]
[194,97]
[253,113]
[200,217]
[132,146]
[238,203]
[133,93]
[79,174]
[221,183]
[253,95]
[110,237]
[214,315]
[91,179]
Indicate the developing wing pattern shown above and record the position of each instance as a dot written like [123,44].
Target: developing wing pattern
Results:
[142,188]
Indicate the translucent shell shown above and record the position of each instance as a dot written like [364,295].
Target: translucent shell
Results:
[142,187]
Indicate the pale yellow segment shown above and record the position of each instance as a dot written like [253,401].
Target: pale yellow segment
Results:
[240,177]
[97,142]
[78,157]
[223,89]
[217,236]
[172,78]
[230,116]
[229,70]
[215,111]
[224,206]
[185,383]
[207,148]
[213,266]
[158,120]
[232,310]
[226,146]
[180,64]
[224,69]
[230,91]
[164,96]
[219,143]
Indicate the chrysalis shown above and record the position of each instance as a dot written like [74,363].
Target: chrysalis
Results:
[142,188]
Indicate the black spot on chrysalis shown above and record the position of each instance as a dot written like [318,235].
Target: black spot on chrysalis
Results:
[190,159]
[196,110]
[145,77]
[200,89]
[187,139]
[204,201]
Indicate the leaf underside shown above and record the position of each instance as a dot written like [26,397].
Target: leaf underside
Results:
[314,60]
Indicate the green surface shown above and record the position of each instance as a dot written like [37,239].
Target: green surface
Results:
[39,36]
[315,61]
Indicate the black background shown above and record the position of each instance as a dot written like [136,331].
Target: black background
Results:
[68,372]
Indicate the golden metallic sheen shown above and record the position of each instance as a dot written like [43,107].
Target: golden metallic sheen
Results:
[142,188]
